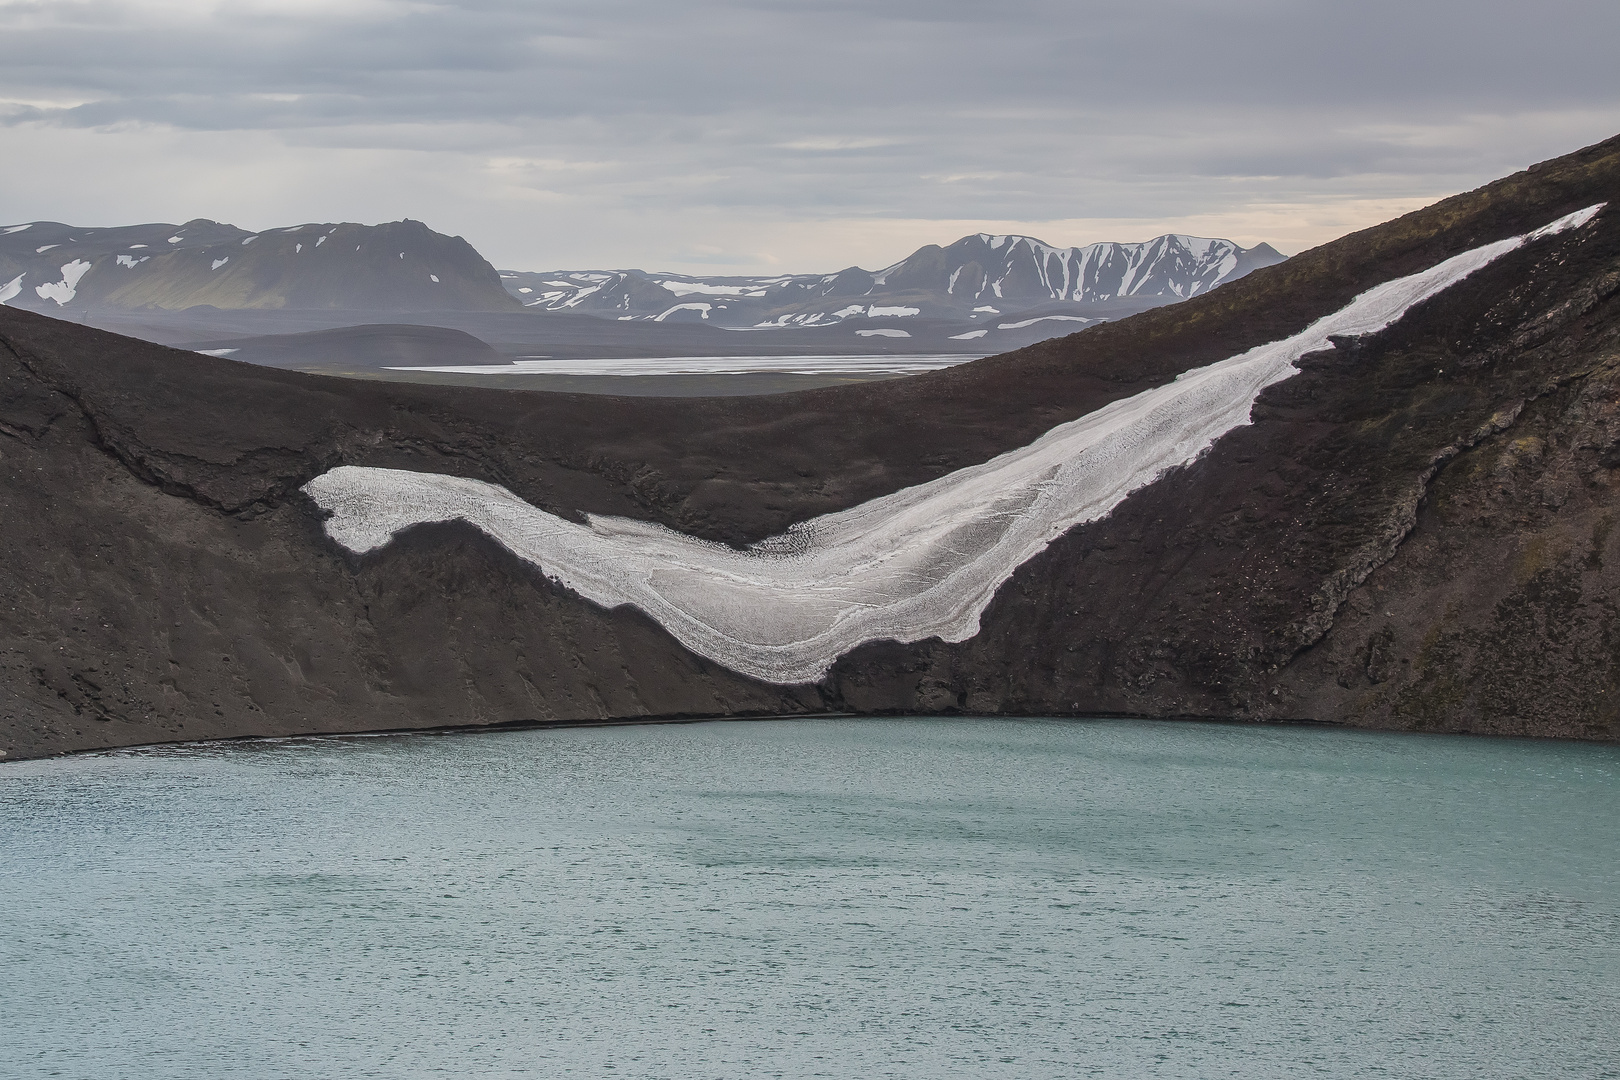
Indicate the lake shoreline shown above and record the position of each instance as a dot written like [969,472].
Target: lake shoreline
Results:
[715,718]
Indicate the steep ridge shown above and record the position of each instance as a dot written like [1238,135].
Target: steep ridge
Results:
[1414,506]
[397,266]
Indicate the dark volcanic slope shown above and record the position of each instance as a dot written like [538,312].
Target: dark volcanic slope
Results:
[1415,532]
[357,348]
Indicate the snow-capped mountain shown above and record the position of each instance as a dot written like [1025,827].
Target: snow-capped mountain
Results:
[396,266]
[1020,268]
[979,275]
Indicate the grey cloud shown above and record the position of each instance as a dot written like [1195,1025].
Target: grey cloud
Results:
[518,61]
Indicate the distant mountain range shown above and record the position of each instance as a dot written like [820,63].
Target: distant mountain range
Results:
[405,266]
[978,277]
[397,266]
[218,286]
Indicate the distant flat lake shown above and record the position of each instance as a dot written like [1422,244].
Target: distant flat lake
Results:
[773,363]
[863,899]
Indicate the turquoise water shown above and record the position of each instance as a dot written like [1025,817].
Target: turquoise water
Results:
[908,898]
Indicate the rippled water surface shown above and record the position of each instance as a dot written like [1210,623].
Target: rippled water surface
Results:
[909,898]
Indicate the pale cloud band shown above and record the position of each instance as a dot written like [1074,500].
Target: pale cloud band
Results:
[747,134]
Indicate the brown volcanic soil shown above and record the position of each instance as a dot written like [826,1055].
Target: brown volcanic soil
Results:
[1413,533]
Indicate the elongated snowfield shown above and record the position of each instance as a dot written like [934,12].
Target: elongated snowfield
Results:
[922,562]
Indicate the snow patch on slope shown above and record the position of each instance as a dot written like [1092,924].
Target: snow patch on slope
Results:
[921,562]
[702,310]
[64,290]
[687,288]
[1042,318]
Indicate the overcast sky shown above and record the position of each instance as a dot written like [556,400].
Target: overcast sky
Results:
[740,136]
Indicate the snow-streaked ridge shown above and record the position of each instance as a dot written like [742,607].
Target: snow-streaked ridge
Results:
[1014,269]
[921,562]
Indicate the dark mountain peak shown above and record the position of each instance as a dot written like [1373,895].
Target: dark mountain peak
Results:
[394,266]
[926,268]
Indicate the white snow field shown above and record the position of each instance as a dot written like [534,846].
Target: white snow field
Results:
[922,562]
